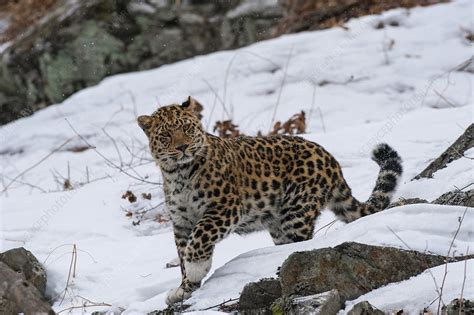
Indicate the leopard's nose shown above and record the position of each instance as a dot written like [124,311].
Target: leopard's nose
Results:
[182,147]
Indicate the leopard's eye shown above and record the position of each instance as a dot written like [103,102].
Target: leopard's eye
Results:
[188,129]
[164,139]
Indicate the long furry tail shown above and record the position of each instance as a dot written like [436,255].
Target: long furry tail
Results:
[348,209]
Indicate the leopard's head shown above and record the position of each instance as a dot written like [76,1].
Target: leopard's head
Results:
[174,132]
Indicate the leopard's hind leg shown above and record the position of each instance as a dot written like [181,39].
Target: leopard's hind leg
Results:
[296,224]
[297,214]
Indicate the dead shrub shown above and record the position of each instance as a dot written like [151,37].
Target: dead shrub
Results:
[130,196]
[227,129]
[295,125]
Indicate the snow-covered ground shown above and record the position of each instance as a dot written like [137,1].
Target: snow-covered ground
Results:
[358,87]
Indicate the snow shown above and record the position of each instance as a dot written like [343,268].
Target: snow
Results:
[397,102]
[416,293]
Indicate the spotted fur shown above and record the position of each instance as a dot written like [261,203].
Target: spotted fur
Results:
[215,186]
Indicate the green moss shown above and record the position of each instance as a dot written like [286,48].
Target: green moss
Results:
[57,72]
[91,56]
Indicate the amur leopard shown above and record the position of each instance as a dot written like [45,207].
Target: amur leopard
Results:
[216,186]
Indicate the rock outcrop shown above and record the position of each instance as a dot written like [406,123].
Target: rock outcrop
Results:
[80,42]
[22,284]
[451,198]
[351,268]
[456,198]
[24,263]
[322,280]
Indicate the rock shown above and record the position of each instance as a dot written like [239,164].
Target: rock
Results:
[458,307]
[23,262]
[79,43]
[18,295]
[351,268]
[456,198]
[403,202]
[364,308]
[454,152]
[259,295]
[327,303]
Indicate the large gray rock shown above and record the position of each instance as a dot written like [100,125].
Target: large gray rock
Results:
[351,268]
[327,303]
[24,263]
[18,295]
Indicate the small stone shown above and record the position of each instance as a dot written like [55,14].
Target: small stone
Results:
[364,308]
[458,306]
[403,202]
[259,295]
[327,303]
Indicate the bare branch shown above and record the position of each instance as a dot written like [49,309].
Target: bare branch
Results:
[281,86]
[108,160]
[461,219]
[115,146]
[37,163]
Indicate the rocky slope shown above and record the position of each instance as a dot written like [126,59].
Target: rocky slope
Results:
[78,43]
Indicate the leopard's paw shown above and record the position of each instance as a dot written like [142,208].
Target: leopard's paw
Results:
[177,295]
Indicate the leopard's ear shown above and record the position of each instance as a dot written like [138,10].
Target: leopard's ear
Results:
[194,106]
[187,103]
[145,122]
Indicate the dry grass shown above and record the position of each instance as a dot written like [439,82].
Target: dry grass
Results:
[23,14]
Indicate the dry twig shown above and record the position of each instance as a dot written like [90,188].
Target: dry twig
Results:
[285,73]
[72,271]
[36,164]
[112,164]
[460,221]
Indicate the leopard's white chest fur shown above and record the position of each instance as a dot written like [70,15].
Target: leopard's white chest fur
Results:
[182,208]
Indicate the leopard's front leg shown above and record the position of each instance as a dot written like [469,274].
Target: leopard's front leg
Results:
[196,258]
[206,234]
[182,233]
